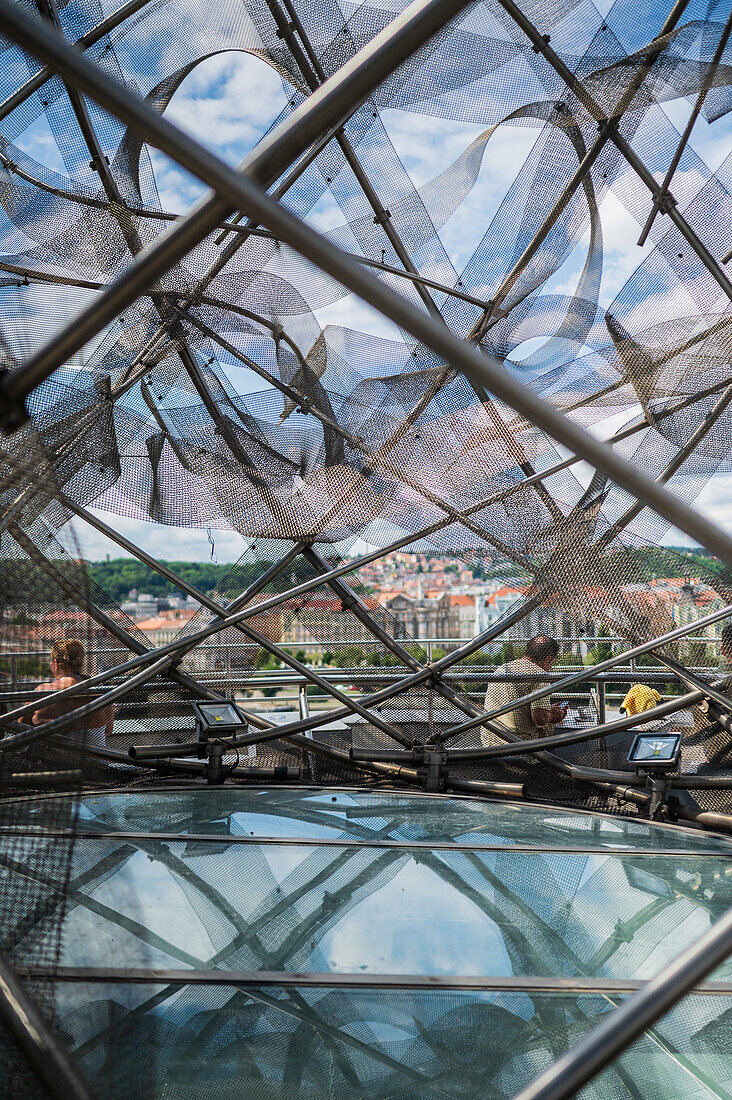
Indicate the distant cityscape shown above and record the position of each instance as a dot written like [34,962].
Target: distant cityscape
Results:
[429,597]
[425,597]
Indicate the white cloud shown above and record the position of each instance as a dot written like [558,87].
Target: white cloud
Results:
[228,102]
[166,543]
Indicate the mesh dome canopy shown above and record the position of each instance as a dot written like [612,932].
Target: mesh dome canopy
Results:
[198,360]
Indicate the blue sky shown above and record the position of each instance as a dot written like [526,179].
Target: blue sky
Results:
[229,101]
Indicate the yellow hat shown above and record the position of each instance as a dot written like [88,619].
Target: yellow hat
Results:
[640,698]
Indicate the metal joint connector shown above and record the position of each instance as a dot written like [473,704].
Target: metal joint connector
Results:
[433,773]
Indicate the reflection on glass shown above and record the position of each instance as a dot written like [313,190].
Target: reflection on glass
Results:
[155,1041]
[354,815]
[153,903]
[611,901]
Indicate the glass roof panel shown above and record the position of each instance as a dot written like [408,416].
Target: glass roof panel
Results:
[368,910]
[157,1040]
[360,815]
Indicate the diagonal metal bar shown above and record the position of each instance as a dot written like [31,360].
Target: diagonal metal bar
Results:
[27,273]
[242,193]
[591,672]
[595,110]
[149,655]
[99,615]
[412,680]
[290,27]
[701,430]
[352,602]
[621,1028]
[89,39]
[155,666]
[661,196]
[517,748]
[492,310]
[43,1049]
[221,612]
[145,656]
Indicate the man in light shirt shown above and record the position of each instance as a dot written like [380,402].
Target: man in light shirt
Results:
[529,720]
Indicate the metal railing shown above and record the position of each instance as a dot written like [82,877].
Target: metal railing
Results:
[284,686]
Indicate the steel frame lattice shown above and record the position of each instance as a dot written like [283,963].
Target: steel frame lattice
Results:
[128,403]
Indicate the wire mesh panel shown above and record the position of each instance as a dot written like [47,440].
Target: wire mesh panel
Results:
[216,372]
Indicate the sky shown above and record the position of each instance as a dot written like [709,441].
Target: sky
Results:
[230,100]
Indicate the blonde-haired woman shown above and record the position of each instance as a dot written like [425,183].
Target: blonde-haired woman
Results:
[67,664]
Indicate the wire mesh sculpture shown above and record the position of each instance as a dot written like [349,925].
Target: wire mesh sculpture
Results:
[124,328]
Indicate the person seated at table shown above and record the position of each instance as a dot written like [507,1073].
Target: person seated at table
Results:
[640,698]
[67,662]
[529,720]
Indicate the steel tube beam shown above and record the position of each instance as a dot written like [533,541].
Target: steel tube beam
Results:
[356,981]
[621,1028]
[330,106]
[661,196]
[594,670]
[149,655]
[352,603]
[59,725]
[89,39]
[27,273]
[701,430]
[580,173]
[105,621]
[414,679]
[239,192]
[559,740]
[41,1047]
[668,205]
[221,612]
[314,75]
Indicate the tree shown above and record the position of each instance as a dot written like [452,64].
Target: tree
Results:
[603,651]
[351,656]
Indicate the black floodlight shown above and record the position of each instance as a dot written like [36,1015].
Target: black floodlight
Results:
[218,720]
[655,751]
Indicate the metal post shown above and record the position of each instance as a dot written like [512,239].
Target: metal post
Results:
[601,700]
[307,757]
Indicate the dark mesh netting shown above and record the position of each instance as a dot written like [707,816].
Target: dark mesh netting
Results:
[552,184]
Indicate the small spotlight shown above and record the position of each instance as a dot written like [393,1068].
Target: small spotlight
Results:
[655,751]
[218,720]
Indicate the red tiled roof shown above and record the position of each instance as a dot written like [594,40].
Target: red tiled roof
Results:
[505,591]
[155,624]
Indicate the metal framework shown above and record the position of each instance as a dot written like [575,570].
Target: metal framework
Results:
[125,331]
